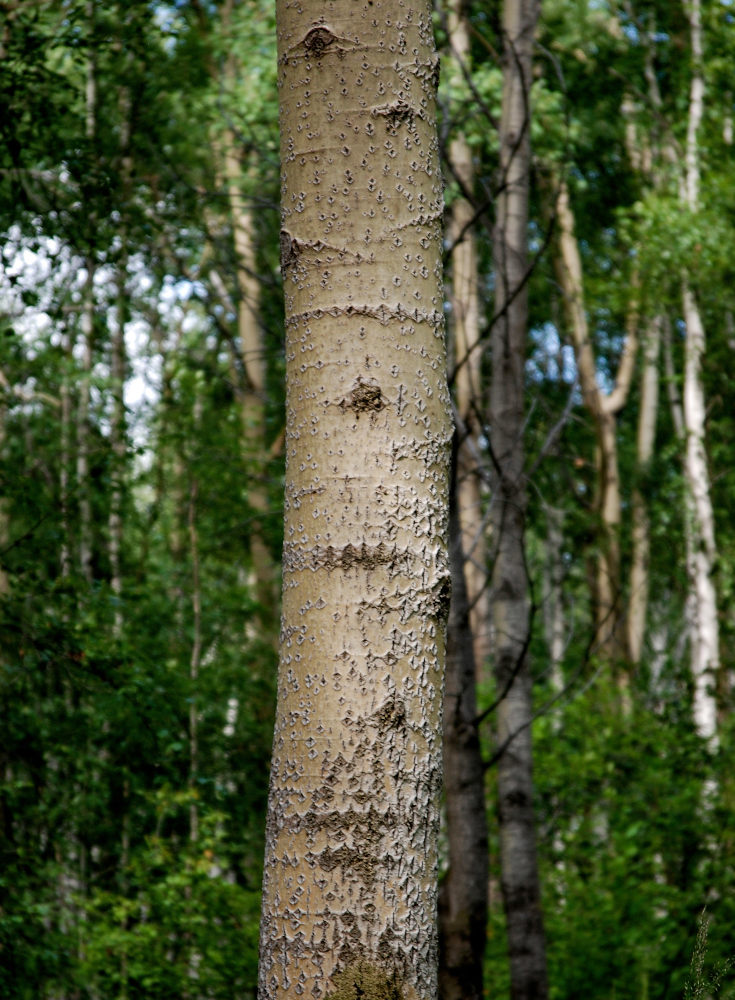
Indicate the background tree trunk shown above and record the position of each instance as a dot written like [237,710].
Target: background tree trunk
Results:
[639,572]
[463,899]
[351,844]
[705,640]
[510,585]
[603,408]
[465,328]
[87,329]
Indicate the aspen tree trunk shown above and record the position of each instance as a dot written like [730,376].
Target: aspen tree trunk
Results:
[603,407]
[464,297]
[705,640]
[510,589]
[349,899]
[639,572]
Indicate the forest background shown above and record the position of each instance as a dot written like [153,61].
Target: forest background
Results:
[141,439]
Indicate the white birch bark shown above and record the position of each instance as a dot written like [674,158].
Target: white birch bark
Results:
[639,572]
[702,551]
[349,900]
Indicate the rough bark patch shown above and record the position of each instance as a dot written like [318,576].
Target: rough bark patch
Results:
[365,397]
[351,861]
[363,556]
[395,113]
[367,982]
[442,596]
[392,714]
[289,250]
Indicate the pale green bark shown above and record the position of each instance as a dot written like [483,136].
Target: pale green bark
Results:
[349,903]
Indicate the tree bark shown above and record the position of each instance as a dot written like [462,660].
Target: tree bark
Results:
[510,585]
[463,899]
[118,367]
[465,327]
[65,420]
[639,572]
[553,583]
[349,896]
[251,388]
[87,328]
[603,407]
[702,551]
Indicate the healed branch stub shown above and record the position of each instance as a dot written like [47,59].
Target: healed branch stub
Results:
[349,903]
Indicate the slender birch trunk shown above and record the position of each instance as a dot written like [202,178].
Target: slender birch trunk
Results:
[603,407]
[676,409]
[639,572]
[510,585]
[349,899]
[689,414]
[705,640]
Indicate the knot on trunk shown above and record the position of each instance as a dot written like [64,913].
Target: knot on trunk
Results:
[395,113]
[365,397]
[289,250]
[318,40]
